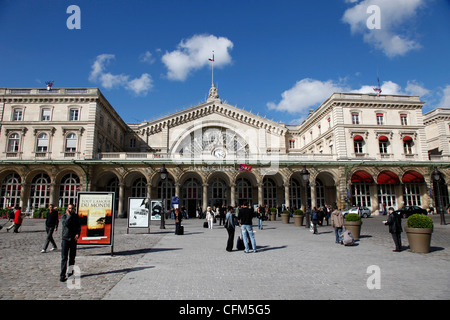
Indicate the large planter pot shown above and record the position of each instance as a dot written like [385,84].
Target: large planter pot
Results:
[354,227]
[285,217]
[419,239]
[273,216]
[298,220]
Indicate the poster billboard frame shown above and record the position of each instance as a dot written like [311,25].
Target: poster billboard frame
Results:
[142,200]
[96,240]
[153,203]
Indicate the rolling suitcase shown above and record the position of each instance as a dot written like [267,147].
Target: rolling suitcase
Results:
[205,224]
[180,230]
[240,243]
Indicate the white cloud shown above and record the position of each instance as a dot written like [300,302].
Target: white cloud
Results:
[306,94]
[193,54]
[147,57]
[416,89]
[445,100]
[139,86]
[309,93]
[394,14]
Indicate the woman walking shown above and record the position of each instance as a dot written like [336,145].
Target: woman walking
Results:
[229,225]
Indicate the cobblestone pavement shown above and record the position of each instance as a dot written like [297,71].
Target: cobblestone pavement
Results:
[291,263]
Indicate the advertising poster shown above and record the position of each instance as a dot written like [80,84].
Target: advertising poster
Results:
[139,212]
[156,209]
[95,210]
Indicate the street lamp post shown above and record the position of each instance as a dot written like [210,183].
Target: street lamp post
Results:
[305,176]
[437,191]
[163,173]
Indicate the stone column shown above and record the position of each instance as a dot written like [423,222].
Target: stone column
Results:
[313,194]
[205,196]
[120,212]
[53,194]
[374,199]
[286,195]
[260,194]
[232,194]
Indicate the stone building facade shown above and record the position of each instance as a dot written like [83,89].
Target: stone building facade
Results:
[360,149]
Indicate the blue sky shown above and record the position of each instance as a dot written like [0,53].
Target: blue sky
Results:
[276,58]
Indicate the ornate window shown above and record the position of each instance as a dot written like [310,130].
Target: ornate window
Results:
[13,142]
[42,143]
[71,142]
[213,142]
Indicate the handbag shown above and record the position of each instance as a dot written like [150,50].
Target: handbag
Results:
[311,227]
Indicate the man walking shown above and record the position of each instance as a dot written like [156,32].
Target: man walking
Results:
[245,217]
[71,228]
[51,225]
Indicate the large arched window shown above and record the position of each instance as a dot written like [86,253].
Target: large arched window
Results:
[139,188]
[68,188]
[320,193]
[217,192]
[269,192]
[10,191]
[40,191]
[295,195]
[42,143]
[244,191]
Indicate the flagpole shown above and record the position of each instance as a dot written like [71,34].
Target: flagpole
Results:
[212,68]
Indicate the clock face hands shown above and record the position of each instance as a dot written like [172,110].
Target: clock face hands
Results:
[219,153]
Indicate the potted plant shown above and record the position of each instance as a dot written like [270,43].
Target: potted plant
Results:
[273,214]
[418,230]
[353,223]
[298,217]
[285,215]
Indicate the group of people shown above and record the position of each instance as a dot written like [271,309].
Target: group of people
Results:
[71,229]
[394,222]
[15,219]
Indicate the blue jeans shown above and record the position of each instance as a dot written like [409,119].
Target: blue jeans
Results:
[338,232]
[260,223]
[248,228]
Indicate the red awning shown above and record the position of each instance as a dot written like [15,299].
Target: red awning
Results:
[361,176]
[388,177]
[407,139]
[358,138]
[412,176]
[383,139]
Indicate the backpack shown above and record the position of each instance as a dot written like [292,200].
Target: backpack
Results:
[347,238]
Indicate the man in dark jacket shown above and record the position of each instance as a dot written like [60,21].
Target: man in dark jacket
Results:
[71,229]
[51,225]
[395,228]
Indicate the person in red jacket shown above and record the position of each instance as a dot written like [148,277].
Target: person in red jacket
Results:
[17,218]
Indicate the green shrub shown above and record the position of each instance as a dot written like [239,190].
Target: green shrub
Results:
[273,210]
[286,212]
[298,212]
[419,221]
[352,217]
